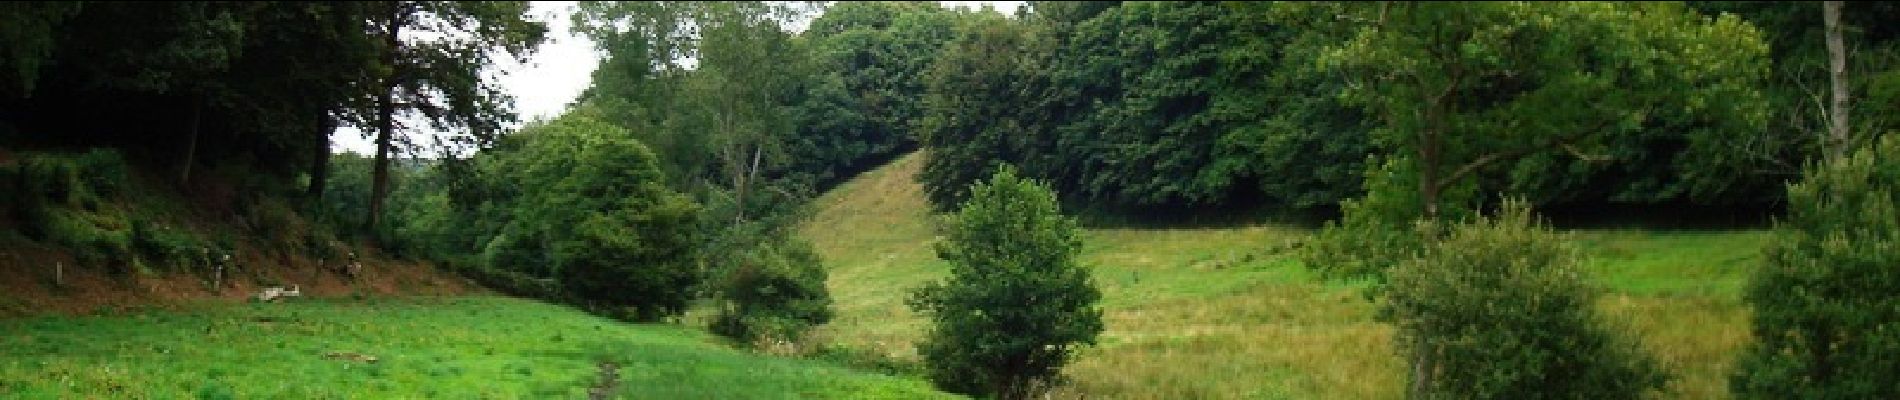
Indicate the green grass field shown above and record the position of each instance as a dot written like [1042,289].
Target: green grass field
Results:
[449,347]
[1231,313]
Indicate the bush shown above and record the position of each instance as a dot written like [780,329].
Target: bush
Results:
[1017,303]
[635,260]
[772,291]
[1827,322]
[1498,310]
[164,246]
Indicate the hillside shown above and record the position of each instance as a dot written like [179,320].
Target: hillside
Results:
[1229,312]
[424,347]
[84,233]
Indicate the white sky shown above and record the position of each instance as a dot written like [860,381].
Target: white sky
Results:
[561,69]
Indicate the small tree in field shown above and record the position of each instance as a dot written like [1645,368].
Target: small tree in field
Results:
[1827,301]
[1498,310]
[1016,303]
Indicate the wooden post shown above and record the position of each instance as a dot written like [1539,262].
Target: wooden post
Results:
[59,275]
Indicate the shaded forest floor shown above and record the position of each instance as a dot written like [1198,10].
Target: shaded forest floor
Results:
[1230,312]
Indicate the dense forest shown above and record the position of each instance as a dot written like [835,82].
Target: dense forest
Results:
[1422,131]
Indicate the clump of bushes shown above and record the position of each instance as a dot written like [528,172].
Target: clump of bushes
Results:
[64,199]
[1498,309]
[772,291]
[170,248]
[1827,321]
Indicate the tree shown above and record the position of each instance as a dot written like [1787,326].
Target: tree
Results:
[1499,310]
[974,90]
[1017,303]
[440,78]
[1837,79]
[615,235]
[865,95]
[28,30]
[724,123]
[772,290]
[1476,99]
[1466,87]
[1827,324]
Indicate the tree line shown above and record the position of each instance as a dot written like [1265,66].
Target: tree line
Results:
[709,126]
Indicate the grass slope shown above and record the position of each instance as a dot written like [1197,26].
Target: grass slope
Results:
[1230,313]
[453,347]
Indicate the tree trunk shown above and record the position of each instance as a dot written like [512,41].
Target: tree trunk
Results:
[320,155]
[1422,369]
[191,142]
[751,175]
[1837,71]
[386,121]
[1428,159]
[379,179]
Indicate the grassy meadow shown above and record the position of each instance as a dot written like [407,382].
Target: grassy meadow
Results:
[1231,313]
[448,347]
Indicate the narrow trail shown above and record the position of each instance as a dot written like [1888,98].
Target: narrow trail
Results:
[609,380]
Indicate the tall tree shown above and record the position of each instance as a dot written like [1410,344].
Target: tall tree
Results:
[1837,79]
[725,119]
[1826,322]
[440,78]
[1463,88]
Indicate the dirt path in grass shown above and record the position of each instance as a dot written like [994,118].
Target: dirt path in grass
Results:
[609,380]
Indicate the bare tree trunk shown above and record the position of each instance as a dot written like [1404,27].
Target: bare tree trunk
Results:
[386,122]
[191,143]
[1837,71]
[379,179]
[320,155]
[752,175]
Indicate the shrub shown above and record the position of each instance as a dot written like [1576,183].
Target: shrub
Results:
[1827,321]
[773,290]
[1498,310]
[1382,229]
[164,246]
[1017,303]
[102,172]
[635,260]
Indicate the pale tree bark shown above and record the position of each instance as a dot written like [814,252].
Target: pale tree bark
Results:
[191,144]
[1837,73]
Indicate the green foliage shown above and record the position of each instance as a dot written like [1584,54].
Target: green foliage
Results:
[1499,309]
[1488,91]
[1017,303]
[1381,229]
[70,201]
[170,248]
[1798,75]
[773,290]
[573,199]
[974,89]
[27,31]
[866,94]
[1142,104]
[1826,321]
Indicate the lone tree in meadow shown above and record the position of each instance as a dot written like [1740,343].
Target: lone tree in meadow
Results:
[1827,320]
[1017,303]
